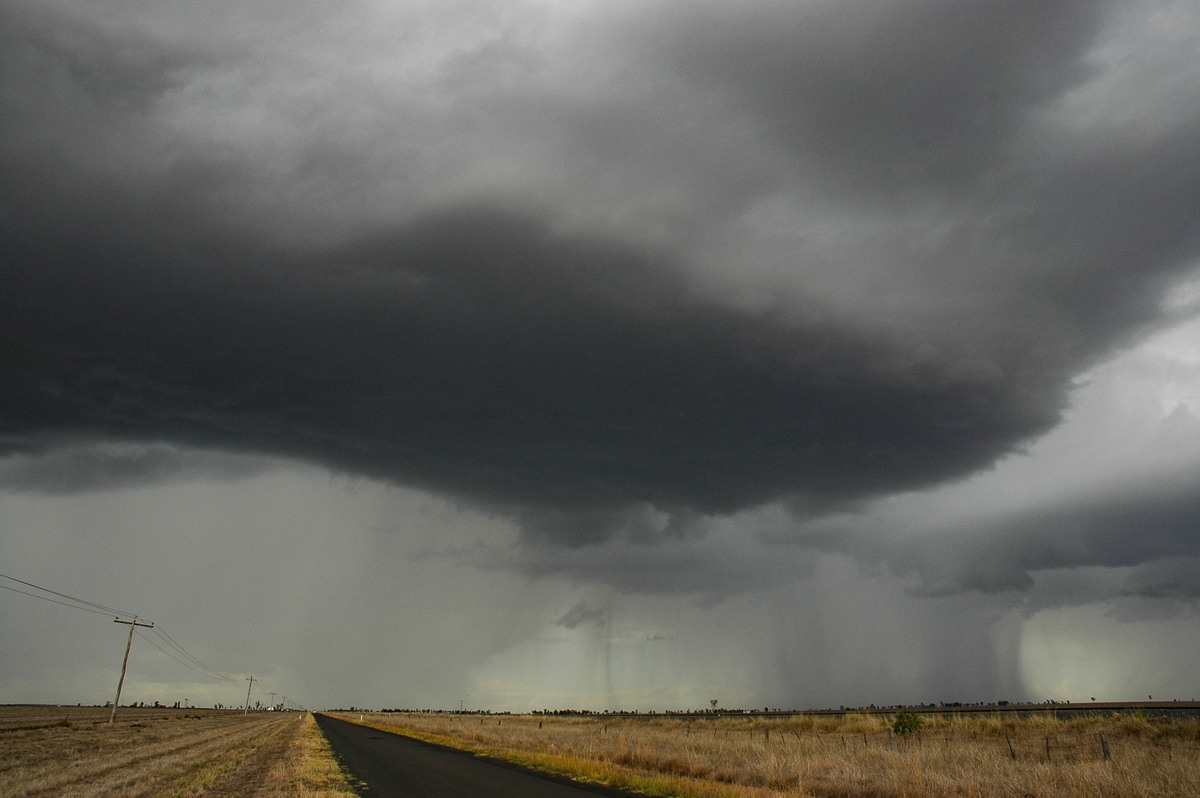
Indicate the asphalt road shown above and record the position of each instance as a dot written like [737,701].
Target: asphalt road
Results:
[392,766]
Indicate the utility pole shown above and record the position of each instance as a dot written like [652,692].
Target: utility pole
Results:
[272,699]
[125,662]
[248,689]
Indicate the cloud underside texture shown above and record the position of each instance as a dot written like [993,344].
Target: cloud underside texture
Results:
[475,352]
[512,353]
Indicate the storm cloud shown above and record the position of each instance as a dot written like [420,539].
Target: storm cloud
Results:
[674,299]
[474,353]
[492,354]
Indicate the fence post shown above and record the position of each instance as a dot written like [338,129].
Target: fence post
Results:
[1011,751]
[1104,746]
[1047,747]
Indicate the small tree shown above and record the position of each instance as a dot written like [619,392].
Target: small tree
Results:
[907,722]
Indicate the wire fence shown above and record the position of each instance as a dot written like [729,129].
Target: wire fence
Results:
[1058,746]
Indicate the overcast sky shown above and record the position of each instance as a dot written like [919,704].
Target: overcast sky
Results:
[610,355]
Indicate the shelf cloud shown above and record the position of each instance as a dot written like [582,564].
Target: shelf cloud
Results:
[659,288]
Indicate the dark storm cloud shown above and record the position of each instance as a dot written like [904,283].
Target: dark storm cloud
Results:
[894,106]
[710,565]
[476,352]
[1175,578]
[1144,531]
[581,614]
[107,466]
[583,380]
[118,71]
[1129,528]
[896,95]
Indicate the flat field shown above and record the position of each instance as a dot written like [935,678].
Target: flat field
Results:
[842,757]
[72,751]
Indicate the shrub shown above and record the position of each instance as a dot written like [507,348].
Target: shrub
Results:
[907,723]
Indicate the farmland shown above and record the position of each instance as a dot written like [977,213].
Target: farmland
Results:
[73,751]
[845,755]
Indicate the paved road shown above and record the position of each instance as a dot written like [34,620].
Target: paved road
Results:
[392,766]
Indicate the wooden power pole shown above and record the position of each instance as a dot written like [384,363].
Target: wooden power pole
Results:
[248,689]
[125,662]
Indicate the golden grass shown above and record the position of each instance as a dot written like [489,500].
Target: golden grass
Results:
[836,756]
[163,754]
[309,770]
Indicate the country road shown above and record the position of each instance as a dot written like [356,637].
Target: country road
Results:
[392,766]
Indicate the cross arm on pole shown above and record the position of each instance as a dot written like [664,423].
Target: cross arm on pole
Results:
[125,662]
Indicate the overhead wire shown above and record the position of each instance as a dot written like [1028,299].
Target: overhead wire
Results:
[101,609]
[189,661]
[198,665]
[54,601]
[207,672]
[84,602]
[168,653]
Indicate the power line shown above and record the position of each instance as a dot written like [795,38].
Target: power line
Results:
[196,662]
[53,601]
[198,667]
[175,644]
[106,610]
[101,609]
[177,659]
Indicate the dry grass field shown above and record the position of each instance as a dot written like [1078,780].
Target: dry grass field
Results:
[72,751]
[837,757]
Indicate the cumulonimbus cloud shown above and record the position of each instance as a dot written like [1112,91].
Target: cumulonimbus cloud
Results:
[495,346]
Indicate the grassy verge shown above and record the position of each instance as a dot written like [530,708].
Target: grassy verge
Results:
[313,772]
[852,755]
